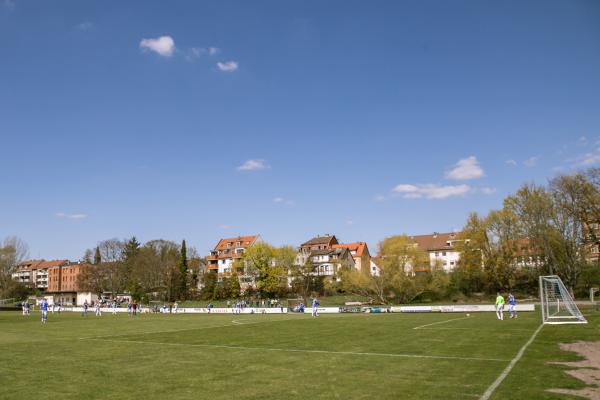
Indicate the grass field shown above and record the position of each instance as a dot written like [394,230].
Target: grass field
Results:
[345,356]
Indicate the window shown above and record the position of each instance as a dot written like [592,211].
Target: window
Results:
[238,244]
[437,254]
[229,244]
[451,262]
[444,254]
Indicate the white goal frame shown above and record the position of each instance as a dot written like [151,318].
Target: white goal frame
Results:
[558,306]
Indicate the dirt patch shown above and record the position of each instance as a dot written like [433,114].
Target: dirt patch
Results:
[587,370]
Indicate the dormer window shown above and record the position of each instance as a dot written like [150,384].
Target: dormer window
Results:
[229,244]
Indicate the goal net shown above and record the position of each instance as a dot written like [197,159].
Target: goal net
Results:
[296,305]
[556,303]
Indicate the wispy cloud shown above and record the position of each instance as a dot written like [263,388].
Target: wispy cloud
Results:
[194,53]
[71,216]
[228,66]
[349,222]
[582,141]
[281,200]
[588,159]
[8,4]
[163,46]
[380,198]
[511,162]
[85,26]
[253,165]
[531,161]
[431,191]
[488,190]
[465,169]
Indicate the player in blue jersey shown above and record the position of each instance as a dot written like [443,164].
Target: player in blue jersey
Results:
[315,307]
[44,307]
[511,306]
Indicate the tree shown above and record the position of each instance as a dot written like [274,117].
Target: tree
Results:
[97,256]
[131,249]
[111,250]
[400,264]
[183,272]
[260,262]
[12,251]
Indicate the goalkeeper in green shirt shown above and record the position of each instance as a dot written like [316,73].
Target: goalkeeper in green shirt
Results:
[499,306]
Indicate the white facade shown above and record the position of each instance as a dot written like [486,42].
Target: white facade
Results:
[447,259]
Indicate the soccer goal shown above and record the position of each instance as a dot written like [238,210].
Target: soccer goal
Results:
[557,304]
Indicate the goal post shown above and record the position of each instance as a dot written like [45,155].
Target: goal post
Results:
[556,303]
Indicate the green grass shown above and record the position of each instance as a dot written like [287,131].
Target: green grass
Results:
[345,356]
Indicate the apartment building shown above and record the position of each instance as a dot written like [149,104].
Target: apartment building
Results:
[441,248]
[34,273]
[360,254]
[63,282]
[227,251]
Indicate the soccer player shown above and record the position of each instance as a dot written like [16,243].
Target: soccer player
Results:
[44,310]
[315,306]
[499,306]
[114,307]
[511,306]
[175,307]
[98,312]
[85,308]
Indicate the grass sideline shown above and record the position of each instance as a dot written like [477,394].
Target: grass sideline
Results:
[346,356]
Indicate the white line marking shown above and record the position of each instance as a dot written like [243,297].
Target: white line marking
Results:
[349,353]
[232,323]
[440,322]
[510,366]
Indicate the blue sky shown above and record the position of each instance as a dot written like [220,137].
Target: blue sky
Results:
[202,120]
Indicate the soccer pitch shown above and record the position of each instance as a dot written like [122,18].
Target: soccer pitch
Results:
[345,356]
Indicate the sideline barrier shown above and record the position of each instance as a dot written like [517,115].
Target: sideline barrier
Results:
[245,310]
[458,308]
[322,310]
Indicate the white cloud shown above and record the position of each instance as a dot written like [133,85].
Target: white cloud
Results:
[164,45]
[281,200]
[71,216]
[431,191]
[582,141]
[253,165]
[511,162]
[85,26]
[197,52]
[228,66]
[465,169]
[488,190]
[588,159]
[531,161]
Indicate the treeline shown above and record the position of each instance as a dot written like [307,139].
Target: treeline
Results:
[157,270]
[540,230]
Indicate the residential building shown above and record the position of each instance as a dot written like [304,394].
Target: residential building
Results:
[227,251]
[328,262]
[63,282]
[360,254]
[441,248]
[34,273]
[317,243]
